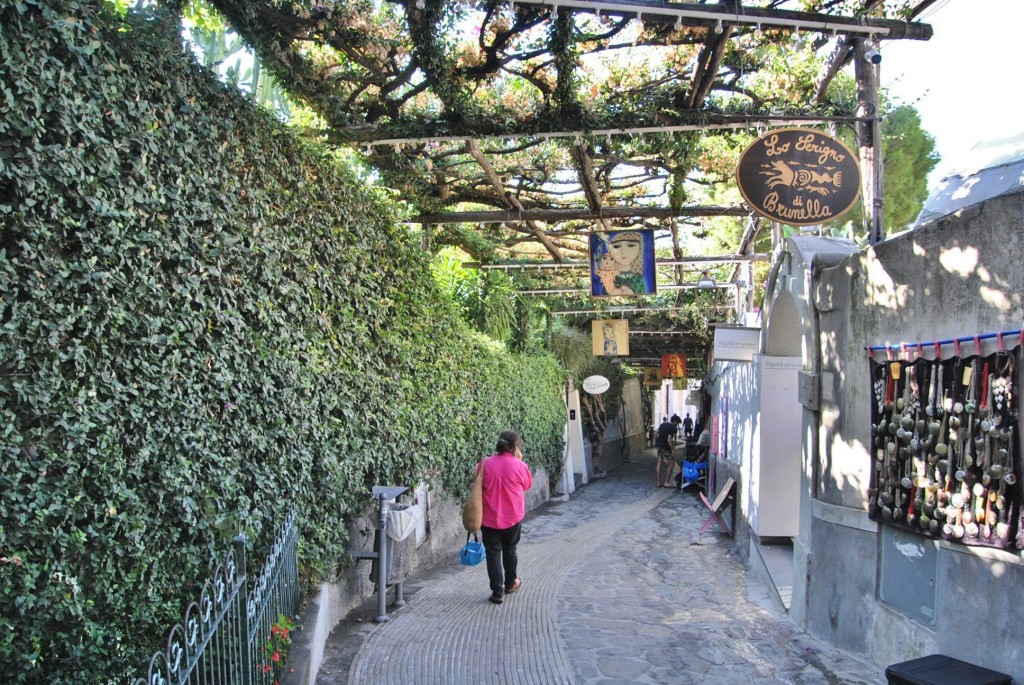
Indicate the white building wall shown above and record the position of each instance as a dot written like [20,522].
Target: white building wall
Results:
[735,405]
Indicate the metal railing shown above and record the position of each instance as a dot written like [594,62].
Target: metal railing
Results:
[275,593]
[223,637]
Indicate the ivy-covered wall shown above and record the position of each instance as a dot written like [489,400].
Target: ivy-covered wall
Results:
[203,320]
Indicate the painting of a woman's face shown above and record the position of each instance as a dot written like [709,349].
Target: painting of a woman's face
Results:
[625,251]
[622,263]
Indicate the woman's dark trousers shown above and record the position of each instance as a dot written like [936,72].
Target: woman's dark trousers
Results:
[502,562]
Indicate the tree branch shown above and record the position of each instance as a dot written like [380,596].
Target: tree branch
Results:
[474,149]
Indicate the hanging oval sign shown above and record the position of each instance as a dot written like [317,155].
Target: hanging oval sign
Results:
[798,176]
[595,385]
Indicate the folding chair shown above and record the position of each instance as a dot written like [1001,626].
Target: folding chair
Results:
[694,473]
[726,498]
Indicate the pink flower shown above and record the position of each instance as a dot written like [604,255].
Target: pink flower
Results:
[276,657]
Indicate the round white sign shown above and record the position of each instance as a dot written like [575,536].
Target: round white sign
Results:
[596,385]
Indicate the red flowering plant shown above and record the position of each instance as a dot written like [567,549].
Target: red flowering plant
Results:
[276,648]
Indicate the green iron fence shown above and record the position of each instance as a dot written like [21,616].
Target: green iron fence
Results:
[228,636]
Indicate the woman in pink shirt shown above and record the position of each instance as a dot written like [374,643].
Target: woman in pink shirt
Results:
[506,478]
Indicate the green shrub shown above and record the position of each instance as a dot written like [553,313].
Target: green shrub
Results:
[203,320]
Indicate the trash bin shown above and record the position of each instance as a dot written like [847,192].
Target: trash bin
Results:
[938,669]
[389,558]
[398,552]
[403,520]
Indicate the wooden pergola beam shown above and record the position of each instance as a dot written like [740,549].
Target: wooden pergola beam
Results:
[627,310]
[534,128]
[506,215]
[580,264]
[663,286]
[704,14]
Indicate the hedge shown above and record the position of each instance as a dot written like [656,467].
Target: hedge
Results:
[204,320]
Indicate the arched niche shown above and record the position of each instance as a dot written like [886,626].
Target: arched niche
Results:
[784,327]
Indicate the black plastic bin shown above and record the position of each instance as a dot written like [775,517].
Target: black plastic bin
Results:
[938,669]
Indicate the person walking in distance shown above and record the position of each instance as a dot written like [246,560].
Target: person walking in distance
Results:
[687,427]
[665,441]
[506,479]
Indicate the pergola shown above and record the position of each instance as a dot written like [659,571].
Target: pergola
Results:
[516,128]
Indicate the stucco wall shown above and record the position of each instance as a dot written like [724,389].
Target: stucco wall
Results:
[735,385]
[953,278]
[334,600]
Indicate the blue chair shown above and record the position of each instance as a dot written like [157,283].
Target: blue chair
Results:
[695,473]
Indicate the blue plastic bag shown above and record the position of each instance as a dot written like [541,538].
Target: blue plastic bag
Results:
[472,553]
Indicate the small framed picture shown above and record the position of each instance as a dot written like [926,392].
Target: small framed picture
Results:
[610,337]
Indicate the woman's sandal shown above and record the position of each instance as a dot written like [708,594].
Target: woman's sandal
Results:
[515,586]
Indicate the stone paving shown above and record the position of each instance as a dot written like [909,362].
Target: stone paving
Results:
[618,587]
